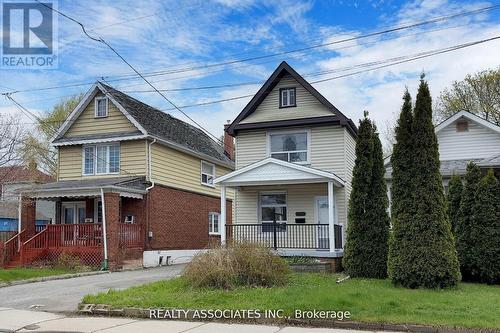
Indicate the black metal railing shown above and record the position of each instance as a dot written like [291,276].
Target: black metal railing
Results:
[285,236]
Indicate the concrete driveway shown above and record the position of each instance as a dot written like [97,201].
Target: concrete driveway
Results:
[64,295]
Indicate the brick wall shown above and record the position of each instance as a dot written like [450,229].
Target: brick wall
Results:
[179,219]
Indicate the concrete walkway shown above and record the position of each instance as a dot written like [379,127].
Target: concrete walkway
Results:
[32,321]
[65,295]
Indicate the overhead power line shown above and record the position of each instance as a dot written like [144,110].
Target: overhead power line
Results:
[292,51]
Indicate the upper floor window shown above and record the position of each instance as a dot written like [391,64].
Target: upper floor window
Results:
[462,126]
[213,224]
[101,159]
[287,97]
[101,107]
[290,147]
[207,173]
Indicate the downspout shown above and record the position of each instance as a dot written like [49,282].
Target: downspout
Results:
[150,178]
[150,170]
[104,233]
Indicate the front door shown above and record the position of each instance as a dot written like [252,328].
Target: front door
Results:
[73,213]
[322,220]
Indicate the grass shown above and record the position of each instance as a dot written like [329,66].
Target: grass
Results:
[468,305]
[8,275]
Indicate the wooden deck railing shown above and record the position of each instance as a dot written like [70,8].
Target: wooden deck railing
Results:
[286,236]
[12,247]
[130,235]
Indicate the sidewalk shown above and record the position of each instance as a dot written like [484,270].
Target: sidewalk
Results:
[33,321]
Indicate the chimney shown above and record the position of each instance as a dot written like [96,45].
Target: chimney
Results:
[228,142]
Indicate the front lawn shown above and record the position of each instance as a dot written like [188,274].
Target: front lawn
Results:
[8,275]
[468,305]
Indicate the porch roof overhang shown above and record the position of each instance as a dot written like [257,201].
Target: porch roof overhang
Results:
[271,171]
[131,187]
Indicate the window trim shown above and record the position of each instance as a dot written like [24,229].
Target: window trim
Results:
[202,173]
[94,170]
[281,106]
[96,107]
[294,131]
[210,223]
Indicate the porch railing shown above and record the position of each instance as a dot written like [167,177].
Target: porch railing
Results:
[286,236]
[12,247]
[39,228]
[130,235]
[6,235]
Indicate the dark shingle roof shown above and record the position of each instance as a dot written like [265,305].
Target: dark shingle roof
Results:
[166,127]
[21,174]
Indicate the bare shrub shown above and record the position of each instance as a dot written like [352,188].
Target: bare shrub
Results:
[241,264]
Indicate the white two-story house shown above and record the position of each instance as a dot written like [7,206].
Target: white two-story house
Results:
[295,154]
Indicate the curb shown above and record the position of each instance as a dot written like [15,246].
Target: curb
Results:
[50,278]
[141,313]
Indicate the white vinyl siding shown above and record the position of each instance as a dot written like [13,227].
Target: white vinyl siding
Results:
[477,142]
[269,109]
[250,147]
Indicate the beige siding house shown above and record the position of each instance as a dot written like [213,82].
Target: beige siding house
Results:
[294,162]
[132,183]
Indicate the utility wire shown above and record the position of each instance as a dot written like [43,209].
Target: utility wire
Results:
[158,73]
[102,41]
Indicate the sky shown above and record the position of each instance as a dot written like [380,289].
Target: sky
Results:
[237,44]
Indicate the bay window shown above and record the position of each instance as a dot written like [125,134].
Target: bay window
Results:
[290,147]
[101,159]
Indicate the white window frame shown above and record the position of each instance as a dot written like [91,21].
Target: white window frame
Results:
[97,99]
[202,173]
[211,216]
[287,90]
[294,131]
[94,148]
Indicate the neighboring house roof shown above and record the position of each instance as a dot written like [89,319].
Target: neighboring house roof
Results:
[150,123]
[337,117]
[271,171]
[21,174]
[128,186]
[10,210]
[470,116]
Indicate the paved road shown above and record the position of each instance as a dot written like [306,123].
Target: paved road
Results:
[64,295]
[30,321]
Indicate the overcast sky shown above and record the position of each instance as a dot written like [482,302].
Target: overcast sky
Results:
[186,36]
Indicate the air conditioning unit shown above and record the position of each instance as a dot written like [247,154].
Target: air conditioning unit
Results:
[89,220]
[129,219]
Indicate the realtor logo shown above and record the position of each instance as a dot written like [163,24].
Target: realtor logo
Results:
[29,35]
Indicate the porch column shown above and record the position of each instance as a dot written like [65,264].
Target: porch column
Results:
[112,220]
[28,215]
[223,215]
[331,221]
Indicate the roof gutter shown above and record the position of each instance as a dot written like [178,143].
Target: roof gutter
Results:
[150,169]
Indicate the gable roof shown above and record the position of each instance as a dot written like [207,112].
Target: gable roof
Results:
[337,117]
[470,116]
[150,123]
[271,171]
[21,174]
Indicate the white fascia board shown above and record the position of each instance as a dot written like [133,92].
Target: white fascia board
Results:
[87,98]
[90,141]
[469,116]
[255,165]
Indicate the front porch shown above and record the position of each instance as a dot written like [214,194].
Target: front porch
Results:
[94,224]
[293,209]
